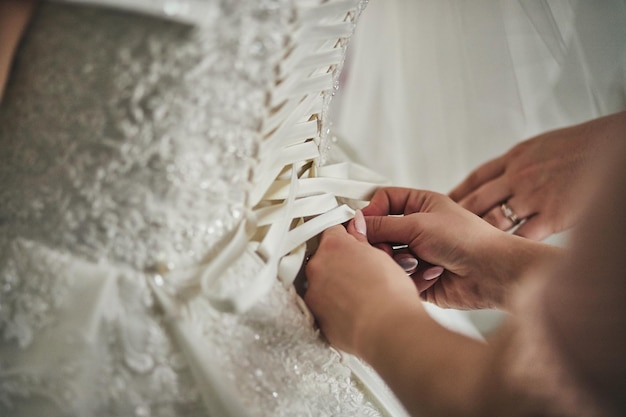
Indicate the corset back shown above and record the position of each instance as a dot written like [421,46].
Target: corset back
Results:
[136,141]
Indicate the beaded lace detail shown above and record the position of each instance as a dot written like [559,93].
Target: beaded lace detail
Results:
[154,164]
[130,141]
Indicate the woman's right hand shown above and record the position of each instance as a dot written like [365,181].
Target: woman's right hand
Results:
[480,261]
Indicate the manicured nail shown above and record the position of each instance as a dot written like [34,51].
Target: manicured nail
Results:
[408,263]
[432,273]
[359,223]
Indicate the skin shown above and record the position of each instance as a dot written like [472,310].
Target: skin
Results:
[374,312]
[540,178]
[356,291]
[14,16]
[440,232]
[366,305]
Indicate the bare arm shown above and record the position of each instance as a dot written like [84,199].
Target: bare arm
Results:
[590,315]
[14,16]
[366,305]
[566,340]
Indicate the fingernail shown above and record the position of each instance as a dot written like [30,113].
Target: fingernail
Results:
[432,273]
[359,223]
[408,263]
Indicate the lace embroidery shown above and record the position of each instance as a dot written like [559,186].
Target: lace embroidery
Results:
[274,356]
[114,358]
[29,305]
[155,170]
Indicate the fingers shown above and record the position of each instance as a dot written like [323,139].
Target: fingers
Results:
[517,209]
[388,229]
[432,272]
[421,281]
[407,261]
[379,204]
[418,270]
[487,196]
[534,228]
[426,275]
[357,227]
[483,174]
[396,200]
[334,230]
[533,225]
[335,234]
[385,247]
[423,285]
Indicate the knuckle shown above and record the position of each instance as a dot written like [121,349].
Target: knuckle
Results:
[496,220]
[313,267]
[374,224]
[472,202]
[330,243]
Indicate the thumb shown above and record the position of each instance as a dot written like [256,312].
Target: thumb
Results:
[357,227]
[391,229]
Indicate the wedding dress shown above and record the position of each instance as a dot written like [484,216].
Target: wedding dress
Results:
[434,88]
[162,165]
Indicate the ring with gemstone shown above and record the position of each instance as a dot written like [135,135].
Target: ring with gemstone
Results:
[510,214]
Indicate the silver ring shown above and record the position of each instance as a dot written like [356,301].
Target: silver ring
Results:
[510,214]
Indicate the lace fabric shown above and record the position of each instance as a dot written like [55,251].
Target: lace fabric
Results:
[152,165]
[130,142]
[106,351]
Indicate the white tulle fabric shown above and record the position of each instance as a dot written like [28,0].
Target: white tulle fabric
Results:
[437,87]
[159,160]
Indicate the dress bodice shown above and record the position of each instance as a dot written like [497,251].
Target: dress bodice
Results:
[131,138]
[130,141]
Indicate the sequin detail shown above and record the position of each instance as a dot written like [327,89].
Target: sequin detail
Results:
[154,169]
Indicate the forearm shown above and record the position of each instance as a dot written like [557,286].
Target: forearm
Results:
[438,373]
[424,363]
[14,15]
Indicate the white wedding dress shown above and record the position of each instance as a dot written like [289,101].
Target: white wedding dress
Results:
[434,88]
[157,166]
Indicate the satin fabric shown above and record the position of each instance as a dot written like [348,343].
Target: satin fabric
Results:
[436,87]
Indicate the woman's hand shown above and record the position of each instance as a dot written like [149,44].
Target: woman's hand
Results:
[355,288]
[540,180]
[366,305]
[481,262]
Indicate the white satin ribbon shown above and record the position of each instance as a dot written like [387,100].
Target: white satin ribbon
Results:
[291,200]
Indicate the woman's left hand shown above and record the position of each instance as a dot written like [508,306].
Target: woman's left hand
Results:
[541,181]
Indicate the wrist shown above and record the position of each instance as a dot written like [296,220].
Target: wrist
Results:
[516,257]
[377,331]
